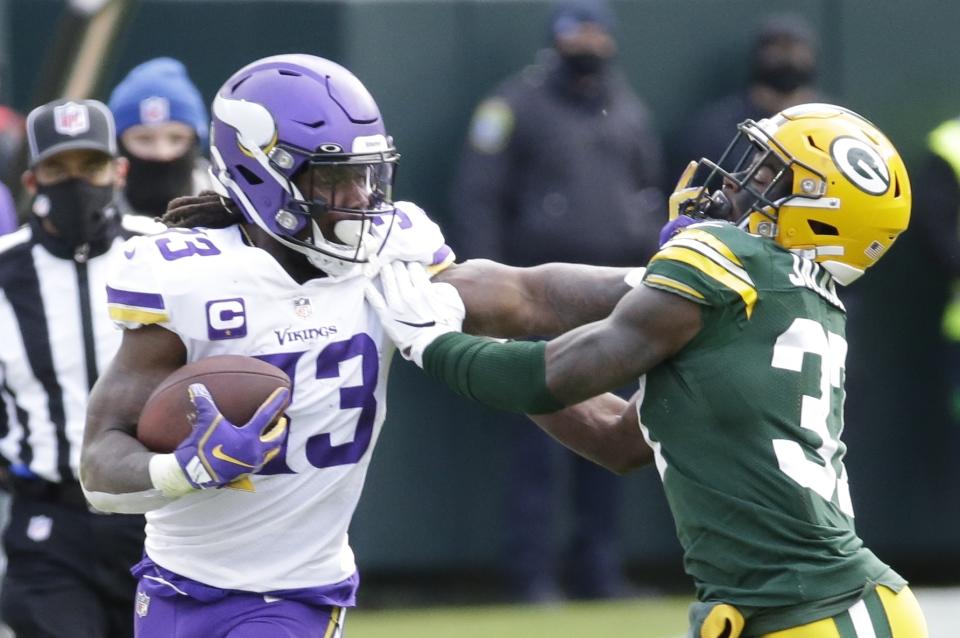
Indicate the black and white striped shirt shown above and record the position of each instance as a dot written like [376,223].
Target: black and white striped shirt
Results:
[55,338]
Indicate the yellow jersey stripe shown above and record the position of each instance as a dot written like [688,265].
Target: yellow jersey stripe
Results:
[334,622]
[710,268]
[713,255]
[133,315]
[660,280]
[712,241]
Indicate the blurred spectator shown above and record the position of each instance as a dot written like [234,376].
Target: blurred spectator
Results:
[68,568]
[162,131]
[11,144]
[11,147]
[936,218]
[8,211]
[562,163]
[783,68]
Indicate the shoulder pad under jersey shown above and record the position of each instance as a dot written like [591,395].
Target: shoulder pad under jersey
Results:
[155,267]
[707,263]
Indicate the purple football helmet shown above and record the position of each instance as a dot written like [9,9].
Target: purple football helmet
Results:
[297,119]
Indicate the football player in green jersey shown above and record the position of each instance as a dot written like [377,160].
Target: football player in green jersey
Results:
[737,337]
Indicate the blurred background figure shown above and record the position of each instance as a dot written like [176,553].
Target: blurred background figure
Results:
[783,69]
[934,298]
[8,211]
[562,163]
[11,145]
[68,567]
[162,131]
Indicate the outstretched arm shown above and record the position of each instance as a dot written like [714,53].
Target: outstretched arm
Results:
[543,301]
[605,430]
[647,327]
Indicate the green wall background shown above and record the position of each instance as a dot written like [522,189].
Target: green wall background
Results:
[433,499]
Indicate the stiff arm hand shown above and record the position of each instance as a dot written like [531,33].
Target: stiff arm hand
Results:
[413,310]
[219,453]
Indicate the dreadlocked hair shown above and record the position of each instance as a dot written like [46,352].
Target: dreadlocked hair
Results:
[206,209]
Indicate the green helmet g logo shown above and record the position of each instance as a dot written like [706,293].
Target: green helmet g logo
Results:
[861,165]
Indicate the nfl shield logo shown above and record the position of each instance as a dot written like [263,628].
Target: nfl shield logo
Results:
[39,528]
[142,604]
[301,305]
[71,119]
[154,110]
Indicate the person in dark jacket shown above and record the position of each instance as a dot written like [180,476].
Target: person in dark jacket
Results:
[783,72]
[562,163]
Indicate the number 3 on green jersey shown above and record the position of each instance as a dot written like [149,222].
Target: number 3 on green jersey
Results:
[828,477]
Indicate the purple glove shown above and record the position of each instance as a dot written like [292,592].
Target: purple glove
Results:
[674,226]
[218,452]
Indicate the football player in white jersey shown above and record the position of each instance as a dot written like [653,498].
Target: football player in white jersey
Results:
[274,266]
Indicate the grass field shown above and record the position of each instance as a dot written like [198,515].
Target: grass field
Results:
[646,618]
[639,618]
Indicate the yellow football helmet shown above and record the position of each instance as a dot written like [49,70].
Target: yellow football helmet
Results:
[839,194]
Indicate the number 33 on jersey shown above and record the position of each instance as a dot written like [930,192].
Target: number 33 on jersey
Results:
[221,296]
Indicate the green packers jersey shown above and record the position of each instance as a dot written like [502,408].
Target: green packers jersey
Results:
[745,423]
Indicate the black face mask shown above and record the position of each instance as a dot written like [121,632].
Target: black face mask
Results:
[783,77]
[581,64]
[152,184]
[81,213]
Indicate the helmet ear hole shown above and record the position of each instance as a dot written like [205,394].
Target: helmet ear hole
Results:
[248,175]
[820,228]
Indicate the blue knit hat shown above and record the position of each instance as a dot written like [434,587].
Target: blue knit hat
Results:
[158,91]
[569,15]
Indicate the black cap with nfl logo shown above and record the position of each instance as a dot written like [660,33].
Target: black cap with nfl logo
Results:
[66,125]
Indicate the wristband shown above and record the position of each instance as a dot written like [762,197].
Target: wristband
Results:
[168,477]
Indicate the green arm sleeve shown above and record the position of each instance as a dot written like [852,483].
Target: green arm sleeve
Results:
[507,376]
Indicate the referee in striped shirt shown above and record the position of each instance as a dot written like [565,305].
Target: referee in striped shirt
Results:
[67,572]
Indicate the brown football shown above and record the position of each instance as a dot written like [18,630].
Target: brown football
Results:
[237,384]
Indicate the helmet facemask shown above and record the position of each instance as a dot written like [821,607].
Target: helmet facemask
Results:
[340,208]
[753,178]
[817,179]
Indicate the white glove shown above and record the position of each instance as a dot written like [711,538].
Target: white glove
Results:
[412,236]
[413,310]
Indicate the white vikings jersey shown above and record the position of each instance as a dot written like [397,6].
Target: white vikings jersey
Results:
[222,296]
